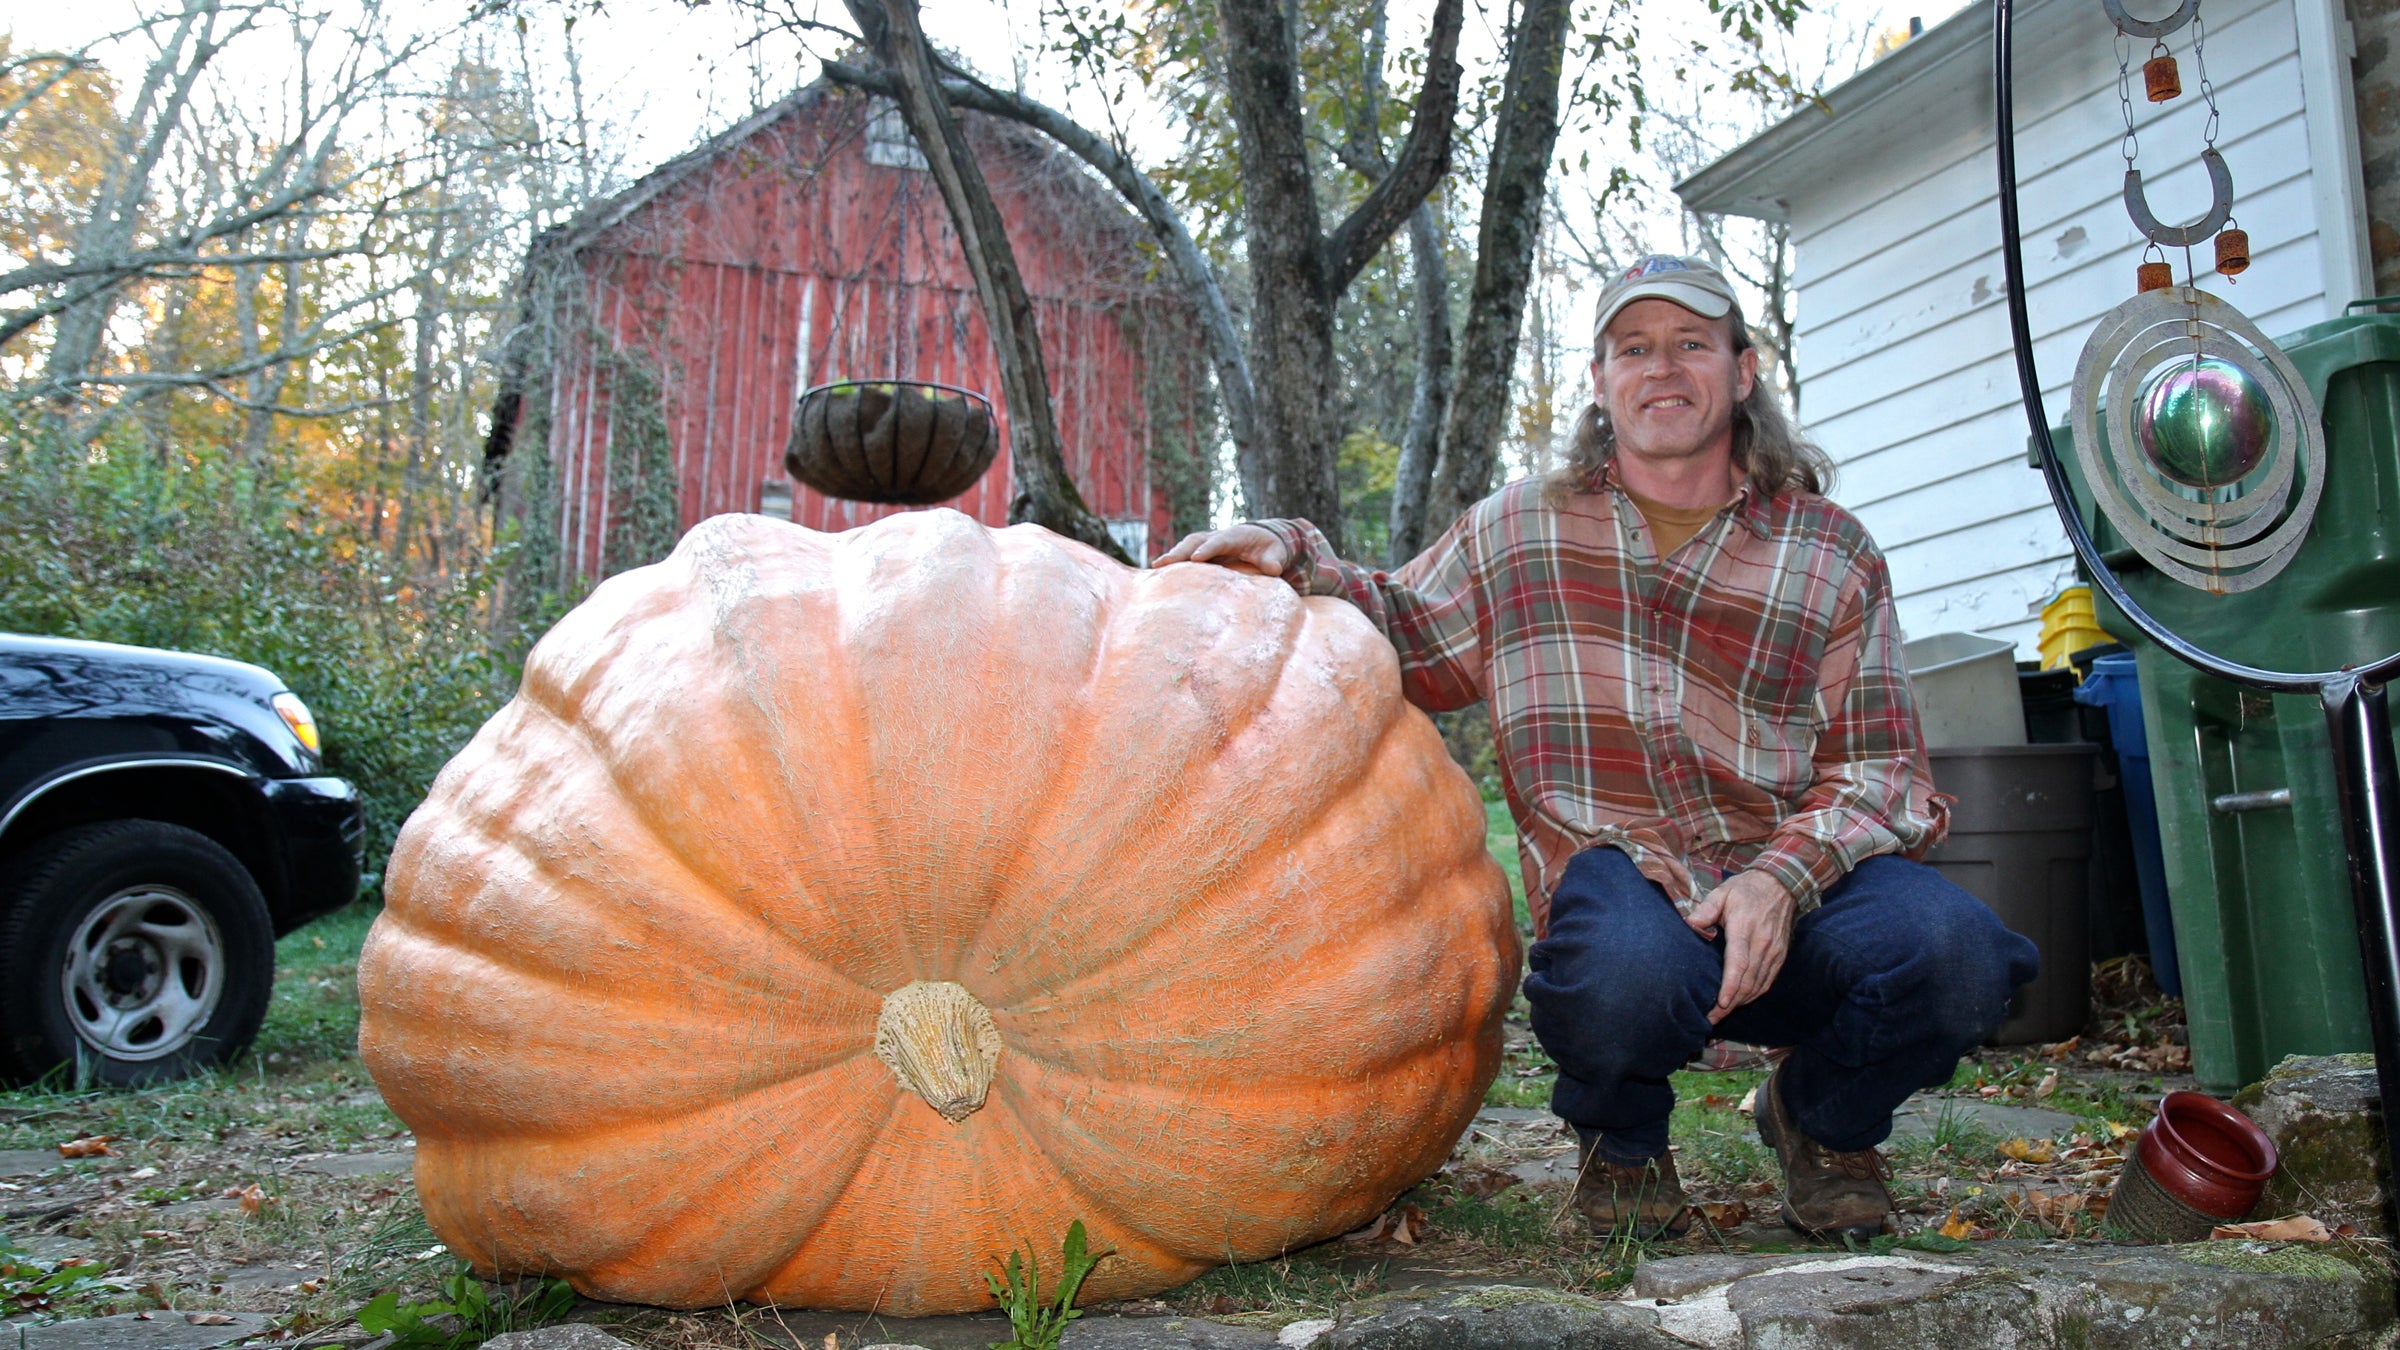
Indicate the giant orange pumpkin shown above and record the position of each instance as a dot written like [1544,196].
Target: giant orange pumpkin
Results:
[829,914]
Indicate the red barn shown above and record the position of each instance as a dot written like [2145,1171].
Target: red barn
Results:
[667,331]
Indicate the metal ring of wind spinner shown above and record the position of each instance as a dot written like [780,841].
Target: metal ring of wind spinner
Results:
[2196,433]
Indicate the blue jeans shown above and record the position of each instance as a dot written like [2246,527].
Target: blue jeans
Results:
[1888,982]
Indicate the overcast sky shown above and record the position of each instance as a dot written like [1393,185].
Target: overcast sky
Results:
[664,74]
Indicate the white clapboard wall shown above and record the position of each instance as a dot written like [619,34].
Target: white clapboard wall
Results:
[1908,377]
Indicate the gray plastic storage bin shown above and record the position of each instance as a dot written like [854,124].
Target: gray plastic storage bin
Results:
[2020,837]
[1966,689]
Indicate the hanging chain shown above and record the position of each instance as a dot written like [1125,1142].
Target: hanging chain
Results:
[2208,92]
[2131,146]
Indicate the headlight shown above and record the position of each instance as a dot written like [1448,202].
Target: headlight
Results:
[295,715]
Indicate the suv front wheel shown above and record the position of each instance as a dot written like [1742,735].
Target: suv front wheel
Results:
[135,950]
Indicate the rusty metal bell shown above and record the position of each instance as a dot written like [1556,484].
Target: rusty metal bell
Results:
[2233,250]
[2160,80]
[2156,276]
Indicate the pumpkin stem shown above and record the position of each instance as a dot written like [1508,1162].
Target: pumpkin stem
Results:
[941,1044]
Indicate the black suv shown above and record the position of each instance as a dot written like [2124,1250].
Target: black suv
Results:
[163,819]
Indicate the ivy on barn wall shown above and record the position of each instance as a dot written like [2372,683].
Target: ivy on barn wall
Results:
[645,510]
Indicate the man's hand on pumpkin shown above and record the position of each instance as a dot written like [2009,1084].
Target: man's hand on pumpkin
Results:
[1244,547]
[1757,914]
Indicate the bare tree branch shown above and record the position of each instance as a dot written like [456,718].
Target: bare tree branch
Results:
[158,260]
[302,170]
[1198,279]
[1424,157]
[1046,494]
[64,64]
[1429,391]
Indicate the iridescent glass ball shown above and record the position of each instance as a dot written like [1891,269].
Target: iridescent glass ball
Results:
[2205,423]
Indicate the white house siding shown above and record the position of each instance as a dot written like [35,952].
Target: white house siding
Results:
[1908,377]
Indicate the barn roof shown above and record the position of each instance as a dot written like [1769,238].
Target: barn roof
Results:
[608,212]
[596,219]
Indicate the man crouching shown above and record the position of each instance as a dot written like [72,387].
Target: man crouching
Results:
[1708,743]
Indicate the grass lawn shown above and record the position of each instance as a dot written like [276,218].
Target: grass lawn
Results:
[207,1177]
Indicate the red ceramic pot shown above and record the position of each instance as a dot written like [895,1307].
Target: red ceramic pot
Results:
[2207,1155]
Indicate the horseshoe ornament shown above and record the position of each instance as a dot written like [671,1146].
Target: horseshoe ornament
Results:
[2220,210]
[2153,29]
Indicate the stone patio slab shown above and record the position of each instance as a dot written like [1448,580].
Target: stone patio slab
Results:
[805,1330]
[2030,1294]
[244,1279]
[360,1165]
[1919,1116]
[1492,1317]
[564,1336]
[161,1330]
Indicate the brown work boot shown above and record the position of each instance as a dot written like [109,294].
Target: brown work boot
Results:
[1644,1199]
[1824,1192]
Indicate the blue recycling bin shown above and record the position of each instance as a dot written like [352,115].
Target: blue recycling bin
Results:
[2115,688]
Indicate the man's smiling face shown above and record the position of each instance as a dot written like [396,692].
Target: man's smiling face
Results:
[1670,380]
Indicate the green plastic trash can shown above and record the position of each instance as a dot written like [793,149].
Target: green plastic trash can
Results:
[2248,820]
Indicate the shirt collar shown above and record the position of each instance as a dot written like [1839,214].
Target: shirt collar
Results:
[1747,506]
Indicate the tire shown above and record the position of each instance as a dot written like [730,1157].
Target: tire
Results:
[130,952]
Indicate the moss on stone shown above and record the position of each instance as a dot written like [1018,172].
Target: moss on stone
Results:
[2292,1067]
[2289,1259]
[1497,1296]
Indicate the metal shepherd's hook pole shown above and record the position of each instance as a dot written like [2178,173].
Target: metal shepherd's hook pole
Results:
[2357,715]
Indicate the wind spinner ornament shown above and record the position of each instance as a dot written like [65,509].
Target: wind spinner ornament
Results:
[2209,417]
[2202,445]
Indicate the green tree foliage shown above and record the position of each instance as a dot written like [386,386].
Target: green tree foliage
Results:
[207,551]
[273,449]
[54,150]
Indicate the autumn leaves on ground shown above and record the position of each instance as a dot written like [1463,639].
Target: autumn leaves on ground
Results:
[280,1185]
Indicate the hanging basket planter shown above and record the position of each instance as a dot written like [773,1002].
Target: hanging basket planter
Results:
[897,442]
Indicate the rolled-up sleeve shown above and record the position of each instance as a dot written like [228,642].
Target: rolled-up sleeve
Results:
[1430,609]
[1870,792]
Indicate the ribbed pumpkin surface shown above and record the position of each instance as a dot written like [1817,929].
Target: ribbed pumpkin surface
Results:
[1220,890]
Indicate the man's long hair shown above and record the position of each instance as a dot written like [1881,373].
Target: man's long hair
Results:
[1767,446]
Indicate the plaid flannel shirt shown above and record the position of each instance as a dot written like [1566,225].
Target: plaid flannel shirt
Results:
[1741,705]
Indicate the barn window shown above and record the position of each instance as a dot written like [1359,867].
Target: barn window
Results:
[888,141]
[1133,536]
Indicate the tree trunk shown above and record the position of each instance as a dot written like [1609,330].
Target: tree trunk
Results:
[427,331]
[1282,424]
[108,230]
[1296,271]
[1217,328]
[245,327]
[1429,395]
[1290,472]
[1046,496]
[1429,398]
[1512,215]
[263,387]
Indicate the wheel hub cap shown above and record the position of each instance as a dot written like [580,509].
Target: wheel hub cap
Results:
[132,972]
[143,973]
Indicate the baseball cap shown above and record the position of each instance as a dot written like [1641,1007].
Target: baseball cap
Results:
[1690,282]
